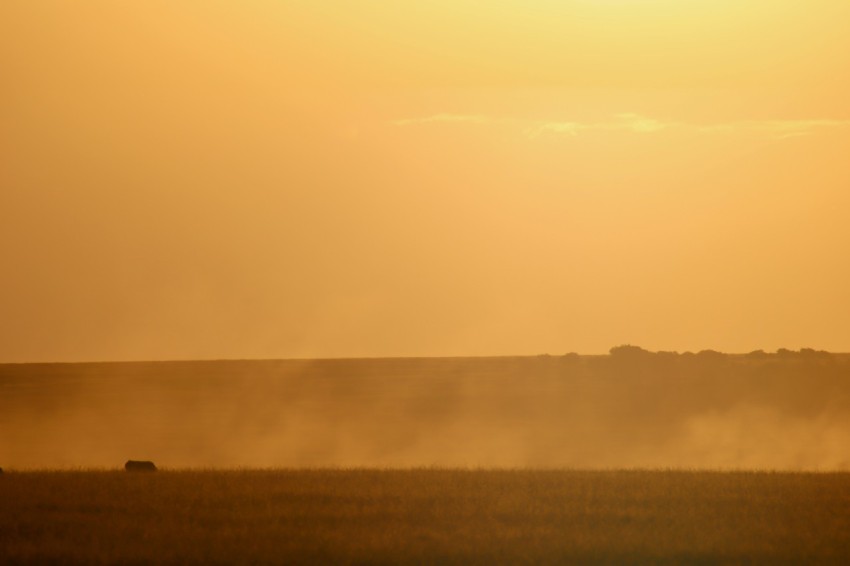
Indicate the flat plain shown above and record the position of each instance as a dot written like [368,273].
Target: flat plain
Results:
[433,516]
[435,461]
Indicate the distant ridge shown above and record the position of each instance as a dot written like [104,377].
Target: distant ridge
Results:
[626,349]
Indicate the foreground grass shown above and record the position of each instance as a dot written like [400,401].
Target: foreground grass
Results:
[424,516]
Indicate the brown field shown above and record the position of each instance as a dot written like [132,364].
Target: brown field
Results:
[434,461]
[432,516]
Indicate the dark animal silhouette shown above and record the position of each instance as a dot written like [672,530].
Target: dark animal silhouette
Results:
[139,466]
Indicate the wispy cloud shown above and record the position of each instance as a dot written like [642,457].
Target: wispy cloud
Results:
[620,122]
[794,128]
[780,129]
[641,124]
[637,124]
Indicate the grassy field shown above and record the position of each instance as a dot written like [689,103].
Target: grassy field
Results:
[432,516]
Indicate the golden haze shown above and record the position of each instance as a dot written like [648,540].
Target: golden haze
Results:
[311,179]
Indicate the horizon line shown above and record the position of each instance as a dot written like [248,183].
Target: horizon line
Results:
[778,352]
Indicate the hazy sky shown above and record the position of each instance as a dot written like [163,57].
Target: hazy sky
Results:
[210,179]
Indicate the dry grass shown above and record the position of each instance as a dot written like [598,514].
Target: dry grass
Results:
[424,516]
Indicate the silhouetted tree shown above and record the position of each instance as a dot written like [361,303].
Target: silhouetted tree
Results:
[710,355]
[629,351]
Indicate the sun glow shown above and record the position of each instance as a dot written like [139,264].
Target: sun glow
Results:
[329,178]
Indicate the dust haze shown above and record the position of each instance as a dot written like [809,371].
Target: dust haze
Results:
[631,408]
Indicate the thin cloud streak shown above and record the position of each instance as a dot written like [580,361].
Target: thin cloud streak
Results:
[637,124]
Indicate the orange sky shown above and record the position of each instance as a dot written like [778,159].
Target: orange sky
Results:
[211,179]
